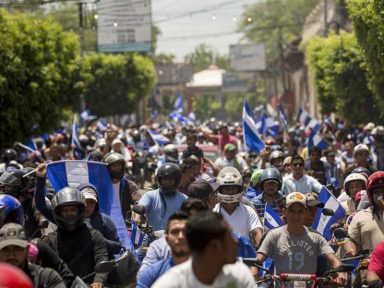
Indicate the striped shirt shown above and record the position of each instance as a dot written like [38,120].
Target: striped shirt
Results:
[259,203]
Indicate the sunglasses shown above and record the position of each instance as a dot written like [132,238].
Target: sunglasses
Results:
[297,164]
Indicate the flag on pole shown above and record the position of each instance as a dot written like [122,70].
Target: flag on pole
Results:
[271,218]
[315,139]
[303,116]
[322,223]
[72,173]
[283,118]
[158,138]
[179,103]
[251,136]
[137,236]
[86,115]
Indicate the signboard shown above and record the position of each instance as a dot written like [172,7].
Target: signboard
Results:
[124,26]
[174,74]
[248,57]
[238,82]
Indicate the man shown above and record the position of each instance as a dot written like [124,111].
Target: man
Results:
[375,277]
[270,184]
[294,247]
[361,156]
[366,228]
[213,262]
[161,203]
[231,159]
[312,205]
[80,247]
[14,251]
[316,167]
[205,191]
[298,181]
[190,169]
[276,159]
[241,218]
[192,149]
[175,238]
[223,138]
[126,191]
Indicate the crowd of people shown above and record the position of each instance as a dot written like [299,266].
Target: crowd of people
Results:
[201,205]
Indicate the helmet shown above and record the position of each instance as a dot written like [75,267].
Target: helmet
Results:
[112,158]
[354,177]
[28,182]
[68,196]
[362,170]
[168,170]
[13,277]
[100,143]
[9,155]
[277,147]
[11,210]
[255,178]
[11,183]
[171,152]
[229,176]
[376,180]
[271,174]
[275,155]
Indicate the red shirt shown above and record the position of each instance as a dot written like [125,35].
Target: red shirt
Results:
[376,263]
[221,141]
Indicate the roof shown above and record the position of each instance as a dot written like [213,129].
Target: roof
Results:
[211,77]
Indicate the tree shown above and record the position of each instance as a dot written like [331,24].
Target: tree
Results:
[368,20]
[263,22]
[164,58]
[336,64]
[114,84]
[36,83]
[203,56]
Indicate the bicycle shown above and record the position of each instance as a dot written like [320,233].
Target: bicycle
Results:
[291,280]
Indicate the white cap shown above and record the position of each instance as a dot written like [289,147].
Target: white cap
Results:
[359,148]
[89,193]
[295,197]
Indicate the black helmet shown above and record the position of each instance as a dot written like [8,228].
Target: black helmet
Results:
[112,158]
[168,170]
[28,182]
[68,196]
[9,155]
[11,210]
[271,174]
[11,183]
[136,136]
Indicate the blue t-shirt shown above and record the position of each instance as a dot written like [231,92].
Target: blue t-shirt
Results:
[153,272]
[160,207]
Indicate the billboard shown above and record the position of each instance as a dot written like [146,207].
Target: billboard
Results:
[238,82]
[124,26]
[247,57]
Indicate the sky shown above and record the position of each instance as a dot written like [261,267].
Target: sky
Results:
[185,24]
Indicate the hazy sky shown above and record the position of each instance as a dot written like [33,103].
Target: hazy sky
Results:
[185,24]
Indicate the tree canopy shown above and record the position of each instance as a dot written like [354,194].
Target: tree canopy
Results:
[336,64]
[36,84]
[203,56]
[368,20]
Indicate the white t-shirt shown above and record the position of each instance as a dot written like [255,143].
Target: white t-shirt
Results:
[116,188]
[243,220]
[235,275]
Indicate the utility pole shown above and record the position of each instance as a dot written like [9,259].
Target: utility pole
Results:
[325,18]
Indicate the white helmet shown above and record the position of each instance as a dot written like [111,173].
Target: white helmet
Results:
[229,176]
[354,177]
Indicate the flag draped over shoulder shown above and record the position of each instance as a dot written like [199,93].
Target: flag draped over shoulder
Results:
[322,223]
[251,136]
[72,173]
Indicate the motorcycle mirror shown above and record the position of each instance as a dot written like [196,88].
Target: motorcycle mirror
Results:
[139,209]
[340,233]
[328,212]
[104,267]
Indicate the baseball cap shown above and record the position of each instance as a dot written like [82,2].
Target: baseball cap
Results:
[89,193]
[201,189]
[359,148]
[295,197]
[312,201]
[12,234]
[229,147]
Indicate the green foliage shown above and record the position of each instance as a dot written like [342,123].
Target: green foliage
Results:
[368,20]
[114,84]
[164,58]
[336,63]
[203,56]
[36,84]
[261,21]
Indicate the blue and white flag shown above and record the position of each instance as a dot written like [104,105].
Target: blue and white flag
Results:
[303,117]
[75,172]
[314,125]
[86,116]
[251,136]
[137,236]
[244,246]
[315,139]
[158,138]
[283,117]
[31,143]
[177,117]
[78,150]
[101,125]
[192,117]
[271,218]
[322,223]
[179,103]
